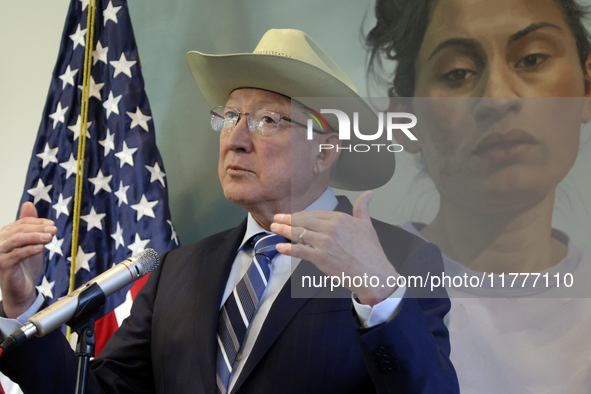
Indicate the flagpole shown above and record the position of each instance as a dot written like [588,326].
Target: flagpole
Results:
[82,144]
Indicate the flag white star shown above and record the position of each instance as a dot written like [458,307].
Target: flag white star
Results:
[75,128]
[68,77]
[61,206]
[126,155]
[139,119]
[58,115]
[173,237]
[82,260]
[112,104]
[100,53]
[55,246]
[108,143]
[70,166]
[40,192]
[48,155]
[46,287]
[93,220]
[138,245]
[122,65]
[101,182]
[84,4]
[118,237]
[94,90]
[121,194]
[156,174]
[144,208]
[78,37]
[110,13]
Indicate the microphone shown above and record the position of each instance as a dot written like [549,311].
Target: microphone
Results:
[64,310]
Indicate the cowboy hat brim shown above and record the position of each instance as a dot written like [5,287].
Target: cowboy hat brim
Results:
[217,76]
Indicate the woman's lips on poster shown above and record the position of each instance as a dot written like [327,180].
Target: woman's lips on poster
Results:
[499,147]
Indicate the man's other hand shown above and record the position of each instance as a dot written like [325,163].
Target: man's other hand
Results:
[21,259]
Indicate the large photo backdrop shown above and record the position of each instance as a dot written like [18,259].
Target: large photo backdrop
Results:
[165,31]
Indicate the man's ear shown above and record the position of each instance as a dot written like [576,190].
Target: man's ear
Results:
[398,104]
[327,152]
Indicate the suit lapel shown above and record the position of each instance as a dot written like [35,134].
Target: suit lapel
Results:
[280,315]
[214,264]
[284,309]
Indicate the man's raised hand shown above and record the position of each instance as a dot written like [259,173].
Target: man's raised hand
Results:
[21,259]
[338,244]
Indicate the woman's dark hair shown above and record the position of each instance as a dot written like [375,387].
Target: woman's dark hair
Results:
[400,30]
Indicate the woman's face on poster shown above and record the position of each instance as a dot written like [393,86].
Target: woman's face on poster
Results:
[500,89]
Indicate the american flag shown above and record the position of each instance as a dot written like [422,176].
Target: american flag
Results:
[124,200]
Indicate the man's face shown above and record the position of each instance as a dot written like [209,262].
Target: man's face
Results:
[255,170]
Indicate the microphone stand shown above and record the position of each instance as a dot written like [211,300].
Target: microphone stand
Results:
[89,303]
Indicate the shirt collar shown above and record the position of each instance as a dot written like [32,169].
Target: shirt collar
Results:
[326,202]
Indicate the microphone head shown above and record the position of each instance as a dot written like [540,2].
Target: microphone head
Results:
[145,261]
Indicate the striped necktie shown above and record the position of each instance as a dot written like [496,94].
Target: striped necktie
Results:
[241,305]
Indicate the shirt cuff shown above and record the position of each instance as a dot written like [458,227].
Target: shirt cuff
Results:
[8,326]
[381,312]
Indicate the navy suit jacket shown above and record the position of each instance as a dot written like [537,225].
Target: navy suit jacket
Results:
[306,345]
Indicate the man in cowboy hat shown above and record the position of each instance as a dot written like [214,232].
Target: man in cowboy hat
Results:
[218,315]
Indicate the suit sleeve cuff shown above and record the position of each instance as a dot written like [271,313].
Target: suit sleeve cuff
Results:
[380,313]
[8,326]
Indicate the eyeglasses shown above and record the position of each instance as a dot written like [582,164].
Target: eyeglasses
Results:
[262,121]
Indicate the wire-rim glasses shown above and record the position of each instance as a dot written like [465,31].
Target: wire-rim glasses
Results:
[261,121]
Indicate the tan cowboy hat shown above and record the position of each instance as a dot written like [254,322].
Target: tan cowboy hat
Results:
[292,64]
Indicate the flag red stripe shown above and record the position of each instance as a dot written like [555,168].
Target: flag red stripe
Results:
[138,285]
[107,325]
[104,328]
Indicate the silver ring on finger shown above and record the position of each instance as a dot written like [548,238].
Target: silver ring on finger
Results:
[301,237]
